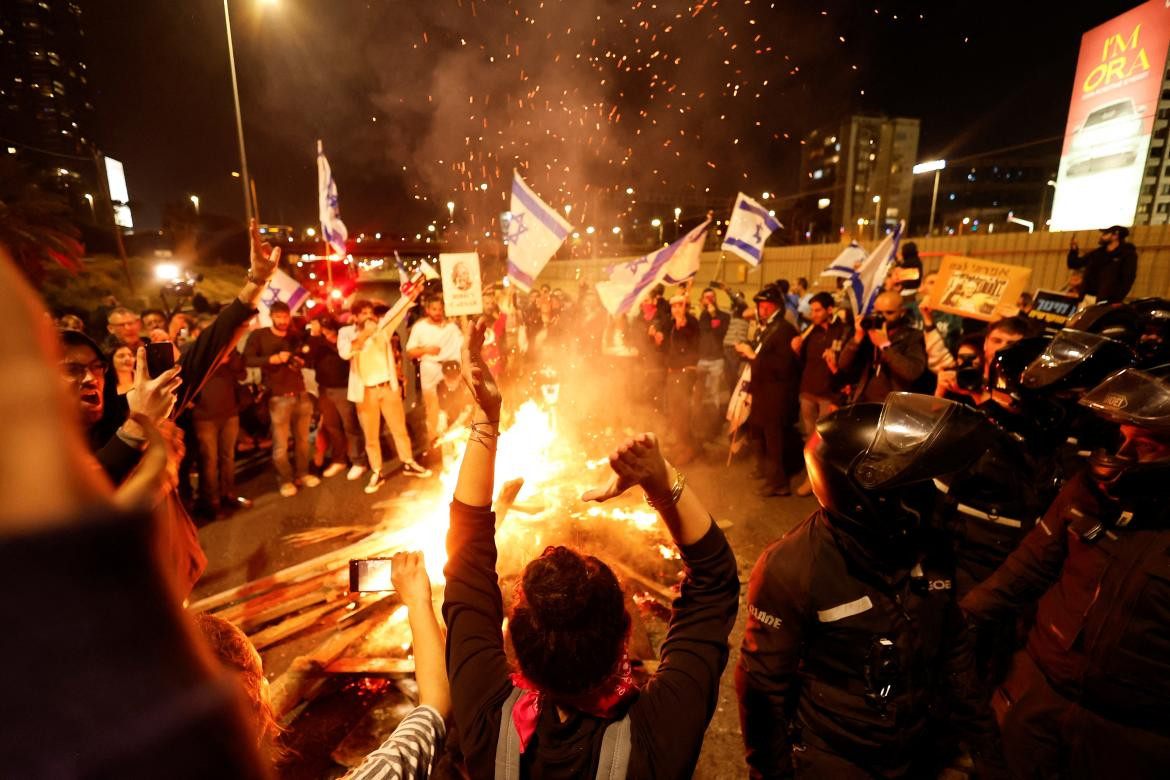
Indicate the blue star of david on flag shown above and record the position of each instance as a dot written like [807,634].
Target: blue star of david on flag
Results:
[516,228]
[533,234]
[748,229]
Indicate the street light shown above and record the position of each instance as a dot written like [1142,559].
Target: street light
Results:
[227,21]
[927,167]
[451,209]
[656,222]
[877,216]
[195,203]
[92,210]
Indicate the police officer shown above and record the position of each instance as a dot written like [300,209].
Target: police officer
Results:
[775,388]
[1089,696]
[852,630]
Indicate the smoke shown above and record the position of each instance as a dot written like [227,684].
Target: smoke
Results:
[586,98]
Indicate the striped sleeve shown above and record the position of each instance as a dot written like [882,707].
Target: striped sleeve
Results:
[409,752]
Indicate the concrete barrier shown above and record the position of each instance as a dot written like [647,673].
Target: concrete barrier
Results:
[1044,253]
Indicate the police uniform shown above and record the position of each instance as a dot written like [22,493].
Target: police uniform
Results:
[848,653]
[853,633]
[1089,696]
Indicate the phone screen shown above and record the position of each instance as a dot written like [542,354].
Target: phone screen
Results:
[370,574]
[160,355]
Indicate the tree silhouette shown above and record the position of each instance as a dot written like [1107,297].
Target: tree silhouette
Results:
[36,223]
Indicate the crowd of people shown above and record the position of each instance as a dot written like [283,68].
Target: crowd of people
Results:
[985,578]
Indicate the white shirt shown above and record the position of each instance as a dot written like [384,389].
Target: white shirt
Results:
[371,365]
[447,337]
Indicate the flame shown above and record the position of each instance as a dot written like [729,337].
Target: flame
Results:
[555,472]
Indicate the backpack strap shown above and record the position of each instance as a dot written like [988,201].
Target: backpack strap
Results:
[508,745]
[615,750]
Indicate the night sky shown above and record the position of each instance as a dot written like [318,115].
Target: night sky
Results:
[421,102]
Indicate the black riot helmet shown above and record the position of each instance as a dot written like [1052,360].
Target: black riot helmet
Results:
[1140,398]
[1076,361]
[1153,346]
[1118,321]
[878,469]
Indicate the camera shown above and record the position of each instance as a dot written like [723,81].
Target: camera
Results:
[872,322]
[882,672]
[968,374]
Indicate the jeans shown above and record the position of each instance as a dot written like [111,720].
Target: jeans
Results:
[291,415]
[433,407]
[339,418]
[217,459]
[710,391]
[812,408]
[680,386]
[383,402]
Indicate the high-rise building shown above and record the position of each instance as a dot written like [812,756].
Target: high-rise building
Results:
[45,104]
[854,172]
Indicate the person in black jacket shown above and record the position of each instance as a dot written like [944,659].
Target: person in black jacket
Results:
[853,634]
[571,683]
[775,388]
[888,356]
[1110,269]
[159,398]
[1089,696]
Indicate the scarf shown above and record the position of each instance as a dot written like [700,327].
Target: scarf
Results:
[601,701]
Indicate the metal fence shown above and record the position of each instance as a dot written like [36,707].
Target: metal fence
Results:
[1044,253]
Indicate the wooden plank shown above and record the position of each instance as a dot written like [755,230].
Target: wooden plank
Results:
[293,625]
[254,620]
[238,611]
[391,667]
[298,573]
[305,670]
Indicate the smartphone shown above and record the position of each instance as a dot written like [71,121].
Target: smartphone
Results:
[160,355]
[369,575]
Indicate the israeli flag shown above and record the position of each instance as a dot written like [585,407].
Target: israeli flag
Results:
[675,263]
[533,232]
[332,228]
[845,263]
[748,229]
[866,282]
[281,287]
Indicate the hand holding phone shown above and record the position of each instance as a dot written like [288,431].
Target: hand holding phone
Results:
[160,356]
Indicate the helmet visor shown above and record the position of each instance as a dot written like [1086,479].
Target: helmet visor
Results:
[1065,353]
[920,437]
[1132,397]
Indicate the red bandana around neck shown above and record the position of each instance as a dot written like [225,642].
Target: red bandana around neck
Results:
[601,701]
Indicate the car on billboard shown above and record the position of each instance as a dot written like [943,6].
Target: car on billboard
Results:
[1110,137]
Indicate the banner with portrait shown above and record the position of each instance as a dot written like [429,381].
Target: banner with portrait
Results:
[981,289]
[462,285]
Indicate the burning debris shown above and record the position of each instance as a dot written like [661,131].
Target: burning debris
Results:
[541,474]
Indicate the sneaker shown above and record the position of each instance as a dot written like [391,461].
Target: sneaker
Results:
[412,469]
[310,480]
[375,482]
[355,472]
[332,470]
[288,490]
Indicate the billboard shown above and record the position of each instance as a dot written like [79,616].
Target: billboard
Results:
[119,195]
[1110,119]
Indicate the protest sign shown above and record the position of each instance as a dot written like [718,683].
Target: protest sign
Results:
[970,287]
[1053,308]
[462,292]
